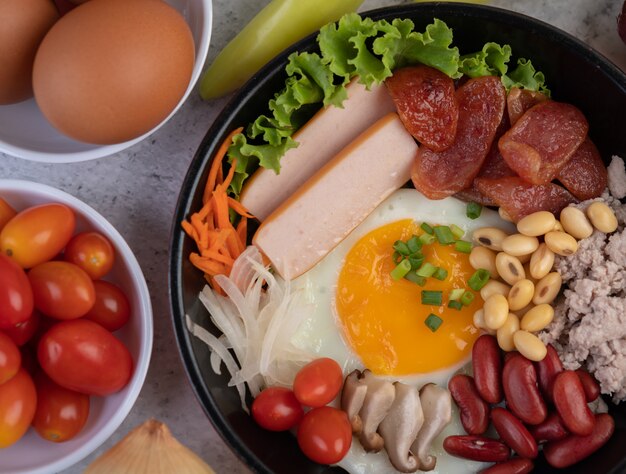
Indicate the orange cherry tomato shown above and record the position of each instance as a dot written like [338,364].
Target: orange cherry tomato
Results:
[6,213]
[23,332]
[318,383]
[37,234]
[18,400]
[10,358]
[92,252]
[61,290]
[111,309]
[325,435]
[61,413]
[16,295]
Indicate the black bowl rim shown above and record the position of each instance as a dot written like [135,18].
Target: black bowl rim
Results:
[218,129]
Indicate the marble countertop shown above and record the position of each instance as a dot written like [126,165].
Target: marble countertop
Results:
[137,191]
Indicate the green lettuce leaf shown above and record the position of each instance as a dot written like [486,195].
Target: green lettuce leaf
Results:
[525,76]
[490,61]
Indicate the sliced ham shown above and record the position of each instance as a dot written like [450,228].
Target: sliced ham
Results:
[520,100]
[322,212]
[327,133]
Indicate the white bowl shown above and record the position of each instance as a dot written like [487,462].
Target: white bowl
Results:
[32,454]
[25,132]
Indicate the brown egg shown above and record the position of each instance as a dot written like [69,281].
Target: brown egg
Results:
[23,24]
[111,70]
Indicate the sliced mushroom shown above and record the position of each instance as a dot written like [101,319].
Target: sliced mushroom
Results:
[437,407]
[399,429]
[352,397]
[378,400]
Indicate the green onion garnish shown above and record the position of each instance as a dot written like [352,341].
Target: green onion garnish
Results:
[444,235]
[427,239]
[416,261]
[415,278]
[440,274]
[463,246]
[433,322]
[426,228]
[414,244]
[401,247]
[478,279]
[397,258]
[456,294]
[427,270]
[401,269]
[455,304]
[466,298]
[473,210]
[457,231]
[432,297]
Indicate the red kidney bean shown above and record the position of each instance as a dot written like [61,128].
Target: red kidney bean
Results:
[571,403]
[519,380]
[547,370]
[474,410]
[514,433]
[551,429]
[574,448]
[476,448]
[590,385]
[512,466]
[487,366]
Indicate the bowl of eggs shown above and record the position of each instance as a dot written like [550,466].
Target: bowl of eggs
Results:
[382,287]
[75,87]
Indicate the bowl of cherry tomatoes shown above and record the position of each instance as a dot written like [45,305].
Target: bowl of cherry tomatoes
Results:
[75,328]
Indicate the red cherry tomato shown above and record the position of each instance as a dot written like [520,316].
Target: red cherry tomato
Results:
[318,382]
[23,332]
[17,407]
[111,309]
[10,358]
[29,359]
[92,252]
[16,296]
[37,234]
[6,213]
[83,356]
[325,435]
[276,409]
[60,413]
[62,290]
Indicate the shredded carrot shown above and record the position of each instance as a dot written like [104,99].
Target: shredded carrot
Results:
[219,242]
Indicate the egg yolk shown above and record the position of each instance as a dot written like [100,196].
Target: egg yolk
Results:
[383,320]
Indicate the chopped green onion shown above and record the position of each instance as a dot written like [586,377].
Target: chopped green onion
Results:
[427,239]
[473,210]
[432,297]
[463,246]
[401,269]
[444,235]
[415,278]
[416,261]
[427,270]
[455,305]
[397,258]
[440,274]
[467,298]
[426,228]
[433,322]
[457,231]
[456,294]
[401,247]
[414,244]
[478,279]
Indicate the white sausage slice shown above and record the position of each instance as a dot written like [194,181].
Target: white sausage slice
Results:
[320,214]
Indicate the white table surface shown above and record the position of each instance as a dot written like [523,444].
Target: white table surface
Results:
[137,191]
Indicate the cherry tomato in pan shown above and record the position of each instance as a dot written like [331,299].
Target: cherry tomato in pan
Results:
[276,409]
[37,234]
[6,213]
[318,383]
[23,332]
[10,358]
[60,413]
[92,252]
[325,435]
[111,309]
[62,290]
[16,296]
[17,407]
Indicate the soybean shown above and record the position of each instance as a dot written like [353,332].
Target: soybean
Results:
[490,237]
[547,288]
[521,294]
[506,331]
[524,258]
[482,257]
[558,226]
[576,223]
[519,244]
[537,318]
[541,261]
[479,321]
[509,268]
[527,272]
[561,243]
[496,310]
[521,312]
[529,345]
[494,287]
[602,217]
[536,224]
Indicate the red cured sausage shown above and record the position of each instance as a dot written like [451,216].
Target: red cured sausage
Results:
[512,466]
[520,100]
[487,368]
[514,433]
[584,175]
[590,385]
[575,448]
[474,410]
[519,380]
[571,403]
[551,429]
[481,105]
[427,105]
[476,448]
[543,140]
[547,370]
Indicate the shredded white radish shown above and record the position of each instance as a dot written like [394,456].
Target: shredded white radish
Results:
[258,318]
